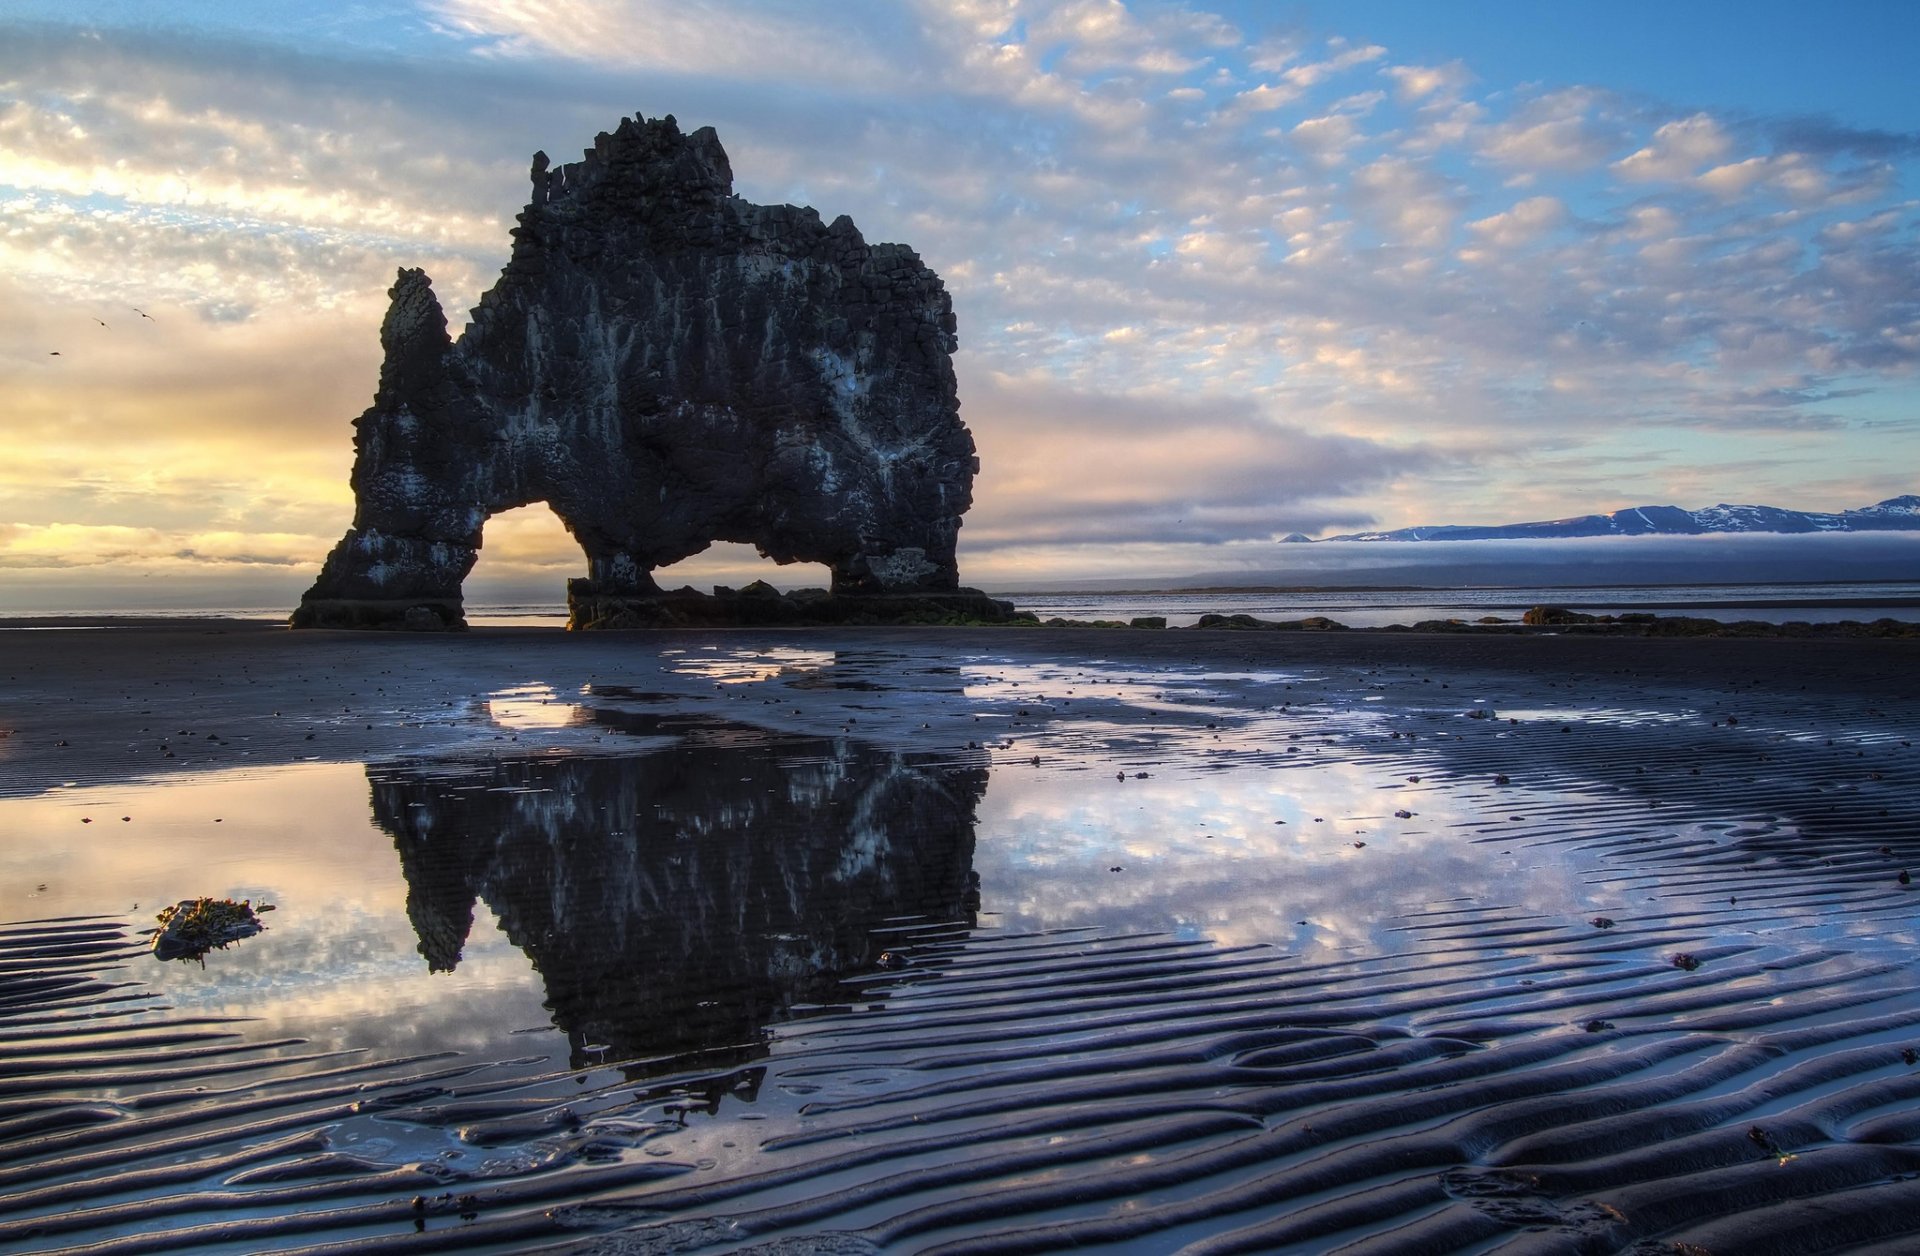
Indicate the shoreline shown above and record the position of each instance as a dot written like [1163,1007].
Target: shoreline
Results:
[1634,619]
[85,704]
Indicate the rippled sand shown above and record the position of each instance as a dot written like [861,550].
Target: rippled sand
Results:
[961,941]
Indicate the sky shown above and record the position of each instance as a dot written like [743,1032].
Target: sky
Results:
[1224,271]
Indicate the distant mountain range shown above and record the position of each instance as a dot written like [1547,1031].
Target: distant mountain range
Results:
[1896,514]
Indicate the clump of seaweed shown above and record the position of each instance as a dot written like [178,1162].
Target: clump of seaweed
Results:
[192,927]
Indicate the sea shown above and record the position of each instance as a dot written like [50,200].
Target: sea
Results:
[1354,607]
[1379,608]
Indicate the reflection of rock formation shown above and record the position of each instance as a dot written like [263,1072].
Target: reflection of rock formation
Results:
[680,900]
[665,365]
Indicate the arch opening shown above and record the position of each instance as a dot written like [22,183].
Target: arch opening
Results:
[735,564]
[520,576]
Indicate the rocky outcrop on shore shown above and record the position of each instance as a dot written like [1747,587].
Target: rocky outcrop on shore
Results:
[760,605]
[1550,619]
[665,365]
[1561,620]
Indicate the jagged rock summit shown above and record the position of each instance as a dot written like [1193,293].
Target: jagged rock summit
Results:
[666,365]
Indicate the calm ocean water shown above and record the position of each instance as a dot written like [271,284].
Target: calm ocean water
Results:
[1370,608]
[1357,608]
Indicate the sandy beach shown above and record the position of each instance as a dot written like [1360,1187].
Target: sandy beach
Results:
[960,941]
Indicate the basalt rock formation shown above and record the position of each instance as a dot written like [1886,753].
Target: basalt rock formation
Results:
[665,365]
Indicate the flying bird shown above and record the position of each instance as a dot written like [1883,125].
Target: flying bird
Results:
[142,313]
[102,322]
[53,353]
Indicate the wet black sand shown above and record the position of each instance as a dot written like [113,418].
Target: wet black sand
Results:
[1729,1063]
[96,704]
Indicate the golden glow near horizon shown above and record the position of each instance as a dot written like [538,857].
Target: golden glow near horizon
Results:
[1218,280]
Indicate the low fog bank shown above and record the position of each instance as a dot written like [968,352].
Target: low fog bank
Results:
[1748,558]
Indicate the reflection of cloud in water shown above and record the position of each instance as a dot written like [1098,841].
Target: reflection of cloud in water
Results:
[1596,715]
[1161,689]
[745,666]
[1247,855]
[336,961]
[532,707]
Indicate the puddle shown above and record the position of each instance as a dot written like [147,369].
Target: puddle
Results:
[532,707]
[746,667]
[1593,715]
[338,961]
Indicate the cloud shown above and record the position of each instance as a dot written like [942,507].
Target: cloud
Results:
[228,133]
[1788,174]
[1422,82]
[1153,468]
[1103,36]
[857,42]
[1327,138]
[1568,130]
[1827,138]
[1296,80]
[147,550]
[1678,151]
[1527,221]
[1411,200]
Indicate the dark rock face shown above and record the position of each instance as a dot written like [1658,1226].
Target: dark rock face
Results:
[760,605]
[665,365]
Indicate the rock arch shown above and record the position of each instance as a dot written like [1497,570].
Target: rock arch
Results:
[664,364]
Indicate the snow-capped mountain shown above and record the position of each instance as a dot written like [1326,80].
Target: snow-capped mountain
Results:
[1896,514]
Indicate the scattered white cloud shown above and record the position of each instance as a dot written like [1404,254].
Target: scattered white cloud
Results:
[1679,150]
[1526,222]
[843,45]
[1426,82]
[1414,203]
[1298,78]
[1418,288]
[1327,139]
[1790,175]
[1562,131]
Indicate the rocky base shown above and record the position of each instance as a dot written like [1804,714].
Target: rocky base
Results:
[1648,625]
[403,614]
[1312,623]
[761,605]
